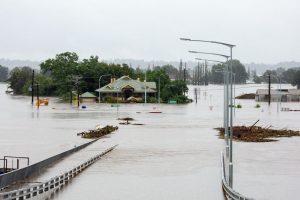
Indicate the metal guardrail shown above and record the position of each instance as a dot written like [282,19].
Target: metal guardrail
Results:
[229,192]
[51,184]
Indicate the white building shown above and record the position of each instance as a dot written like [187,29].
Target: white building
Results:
[283,95]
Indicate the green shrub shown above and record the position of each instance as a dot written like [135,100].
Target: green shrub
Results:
[152,100]
[239,106]
[181,99]
[257,106]
[110,99]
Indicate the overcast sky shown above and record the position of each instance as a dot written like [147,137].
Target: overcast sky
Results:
[266,31]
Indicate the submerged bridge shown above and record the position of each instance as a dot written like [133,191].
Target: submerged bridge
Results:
[13,188]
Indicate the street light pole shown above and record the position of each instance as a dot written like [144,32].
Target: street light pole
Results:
[99,85]
[234,92]
[145,87]
[231,126]
[231,119]
[226,97]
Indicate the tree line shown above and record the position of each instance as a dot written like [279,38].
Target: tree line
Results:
[290,76]
[203,76]
[65,72]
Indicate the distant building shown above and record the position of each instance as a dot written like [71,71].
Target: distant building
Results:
[126,88]
[283,95]
[87,97]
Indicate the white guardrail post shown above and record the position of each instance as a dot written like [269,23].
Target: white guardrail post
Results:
[52,184]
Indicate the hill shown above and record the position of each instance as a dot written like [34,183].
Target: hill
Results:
[19,63]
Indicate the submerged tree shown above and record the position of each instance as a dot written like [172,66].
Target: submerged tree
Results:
[19,76]
[3,73]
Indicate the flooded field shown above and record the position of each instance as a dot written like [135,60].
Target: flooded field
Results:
[175,155]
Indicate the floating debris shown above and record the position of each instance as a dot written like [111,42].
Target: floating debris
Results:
[126,119]
[91,134]
[124,123]
[258,134]
[138,124]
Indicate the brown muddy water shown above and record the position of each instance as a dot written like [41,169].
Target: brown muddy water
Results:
[175,155]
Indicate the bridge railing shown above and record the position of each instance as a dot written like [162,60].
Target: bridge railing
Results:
[51,184]
[229,192]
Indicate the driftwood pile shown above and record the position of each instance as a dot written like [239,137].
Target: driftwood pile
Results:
[246,96]
[92,134]
[258,134]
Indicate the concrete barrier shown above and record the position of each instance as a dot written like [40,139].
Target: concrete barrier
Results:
[23,173]
[52,184]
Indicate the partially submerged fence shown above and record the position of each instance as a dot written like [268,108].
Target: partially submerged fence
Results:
[52,184]
[23,173]
[229,192]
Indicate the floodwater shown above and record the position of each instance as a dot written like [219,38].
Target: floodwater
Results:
[175,155]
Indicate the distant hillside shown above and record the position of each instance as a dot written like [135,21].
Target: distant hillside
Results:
[261,68]
[19,63]
[143,64]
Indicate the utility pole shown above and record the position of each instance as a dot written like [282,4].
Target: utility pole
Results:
[37,95]
[269,91]
[193,79]
[198,74]
[184,73]
[205,73]
[184,76]
[196,91]
[159,89]
[145,87]
[71,95]
[180,70]
[32,87]
[78,103]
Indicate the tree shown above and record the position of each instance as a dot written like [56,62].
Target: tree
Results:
[19,76]
[3,73]
[159,76]
[216,75]
[62,66]
[175,91]
[273,74]
[296,79]
[288,75]
[172,71]
[257,79]
[240,72]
